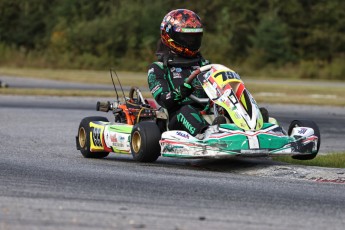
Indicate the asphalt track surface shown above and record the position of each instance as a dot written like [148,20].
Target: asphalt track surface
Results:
[19,82]
[45,183]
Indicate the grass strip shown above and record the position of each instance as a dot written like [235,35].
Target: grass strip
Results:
[80,76]
[262,92]
[65,92]
[281,98]
[332,160]
[297,94]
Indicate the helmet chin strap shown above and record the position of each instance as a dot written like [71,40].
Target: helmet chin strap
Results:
[181,61]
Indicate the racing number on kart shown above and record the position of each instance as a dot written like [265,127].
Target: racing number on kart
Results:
[96,137]
[226,75]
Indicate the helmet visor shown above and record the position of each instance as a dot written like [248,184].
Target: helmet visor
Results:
[191,41]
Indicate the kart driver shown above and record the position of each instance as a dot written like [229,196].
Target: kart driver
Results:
[178,56]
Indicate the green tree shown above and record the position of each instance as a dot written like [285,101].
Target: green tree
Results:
[23,23]
[97,34]
[271,43]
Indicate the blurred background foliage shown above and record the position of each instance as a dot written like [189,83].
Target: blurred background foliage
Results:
[295,38]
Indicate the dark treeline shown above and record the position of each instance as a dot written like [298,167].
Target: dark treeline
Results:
[306,35]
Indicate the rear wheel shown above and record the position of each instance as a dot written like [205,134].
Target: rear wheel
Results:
[83,138]
[309,124]
[145,138]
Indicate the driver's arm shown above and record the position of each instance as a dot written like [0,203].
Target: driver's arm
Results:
[160,89]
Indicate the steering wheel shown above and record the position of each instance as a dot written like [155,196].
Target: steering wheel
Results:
[139,96]
[196,72]
[201,101]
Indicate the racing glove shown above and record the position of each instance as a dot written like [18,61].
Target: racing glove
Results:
[183,91]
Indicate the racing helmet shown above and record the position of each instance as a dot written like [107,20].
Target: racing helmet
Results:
[181,31]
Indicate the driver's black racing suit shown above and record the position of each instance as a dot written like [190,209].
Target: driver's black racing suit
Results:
[164,81]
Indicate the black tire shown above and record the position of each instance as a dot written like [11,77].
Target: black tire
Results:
[265,114]
[309,124]
[219,120]
[83,138]
[145,138]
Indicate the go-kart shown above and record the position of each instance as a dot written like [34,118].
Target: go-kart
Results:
[242,128]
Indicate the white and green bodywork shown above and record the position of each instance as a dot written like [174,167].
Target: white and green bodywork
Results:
[271,140]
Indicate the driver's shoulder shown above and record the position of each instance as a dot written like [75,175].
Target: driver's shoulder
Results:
[157,64]
[156,68]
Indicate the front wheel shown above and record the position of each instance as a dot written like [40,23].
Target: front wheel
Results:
[83,138]
[145,138]
[309,124]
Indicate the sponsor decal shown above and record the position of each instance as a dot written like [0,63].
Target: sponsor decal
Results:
[175,149]
[176,69]
[152,79]
[119,141]
[168,96]
[255,151]
[177,75]
[302,130]
[192,30]
[227,102]
[237,115]
[181,134]
[118,145]
[155,89]
[185,123]
[113,137]
[150,71]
